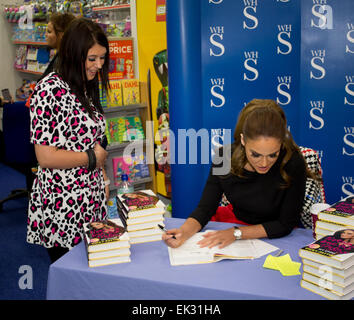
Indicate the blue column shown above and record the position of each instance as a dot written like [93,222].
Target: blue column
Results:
[185,100]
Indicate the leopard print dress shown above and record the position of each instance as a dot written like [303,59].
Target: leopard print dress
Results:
[62,200]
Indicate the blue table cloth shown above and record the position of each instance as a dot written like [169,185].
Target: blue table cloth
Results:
[149,275]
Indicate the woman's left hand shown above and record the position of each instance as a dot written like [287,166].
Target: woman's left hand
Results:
[222,238]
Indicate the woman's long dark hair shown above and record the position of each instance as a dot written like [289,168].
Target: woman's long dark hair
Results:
[82,35]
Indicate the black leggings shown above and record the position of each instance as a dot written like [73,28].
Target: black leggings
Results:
[56,252]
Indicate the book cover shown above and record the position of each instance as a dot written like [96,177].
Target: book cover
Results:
[114,98]
[105,235]
[131,91]
[134,166]
[138,200]
[335,250]
[340,212]
[140,204]
[133,129]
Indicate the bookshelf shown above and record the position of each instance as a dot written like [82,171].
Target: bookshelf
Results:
[143,109]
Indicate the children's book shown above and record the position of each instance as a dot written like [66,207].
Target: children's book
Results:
[131,91]
[341,212]
[132,129]
[114,98]
[112,130]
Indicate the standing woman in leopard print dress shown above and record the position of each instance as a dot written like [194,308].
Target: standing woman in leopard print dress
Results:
[67,129]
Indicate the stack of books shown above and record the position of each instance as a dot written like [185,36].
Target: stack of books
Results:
[328,265]
[107,242]
[337,217]
[141,212]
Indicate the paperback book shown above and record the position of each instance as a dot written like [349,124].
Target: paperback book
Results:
[105,235]
[336,250]
[112,130]
[115,98]
[131,91]
[341,212]
[140,203]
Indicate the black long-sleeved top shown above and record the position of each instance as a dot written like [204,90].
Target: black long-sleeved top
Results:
[258,198]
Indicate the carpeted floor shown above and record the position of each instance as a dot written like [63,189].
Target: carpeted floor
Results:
[23,267]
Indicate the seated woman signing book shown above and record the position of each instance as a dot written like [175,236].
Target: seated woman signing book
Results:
[265,185]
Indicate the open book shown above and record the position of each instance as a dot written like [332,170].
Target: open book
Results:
[190,252]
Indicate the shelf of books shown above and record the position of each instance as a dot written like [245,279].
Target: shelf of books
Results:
[328,262]
[130,147]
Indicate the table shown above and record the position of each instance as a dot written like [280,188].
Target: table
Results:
[150,276]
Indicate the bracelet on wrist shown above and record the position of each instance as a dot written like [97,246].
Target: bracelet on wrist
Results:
[91,159]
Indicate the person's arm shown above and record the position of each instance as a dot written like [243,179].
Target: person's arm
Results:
[200,216]
[188,229]
[54,158]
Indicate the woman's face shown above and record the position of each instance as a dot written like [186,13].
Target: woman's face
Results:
[94,60]
[347,234]
[51,37]
[261,153]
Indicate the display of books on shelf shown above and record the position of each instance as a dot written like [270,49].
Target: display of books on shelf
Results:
[131,91]
[328,265]
[141,212]
[341,212]
[191,253]
[107,242]
[134,166]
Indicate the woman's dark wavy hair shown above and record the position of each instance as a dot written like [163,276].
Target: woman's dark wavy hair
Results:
[81,35]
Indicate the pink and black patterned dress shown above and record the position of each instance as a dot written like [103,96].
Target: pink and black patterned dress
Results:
[62,200]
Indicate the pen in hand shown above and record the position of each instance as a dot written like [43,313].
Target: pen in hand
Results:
[164,229]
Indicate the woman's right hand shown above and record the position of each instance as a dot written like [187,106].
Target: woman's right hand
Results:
[170,241]
[101,155]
